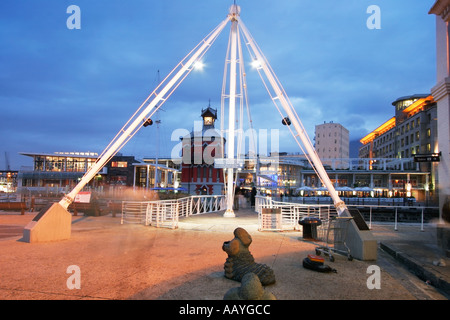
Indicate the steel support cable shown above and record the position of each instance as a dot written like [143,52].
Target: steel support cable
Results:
[245,94]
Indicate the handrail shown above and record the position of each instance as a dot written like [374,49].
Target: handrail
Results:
[167,212]
[267,202]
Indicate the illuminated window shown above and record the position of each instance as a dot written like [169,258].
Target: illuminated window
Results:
[119,164]
[428,147]
[428,133]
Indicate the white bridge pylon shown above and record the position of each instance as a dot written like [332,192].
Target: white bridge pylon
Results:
[165,89]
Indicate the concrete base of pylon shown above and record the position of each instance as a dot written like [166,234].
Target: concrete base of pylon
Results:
[229,213]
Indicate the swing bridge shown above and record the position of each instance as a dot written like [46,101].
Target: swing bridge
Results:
[55,222]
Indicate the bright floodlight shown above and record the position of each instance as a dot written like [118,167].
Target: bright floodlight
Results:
[199,66]
[256,64]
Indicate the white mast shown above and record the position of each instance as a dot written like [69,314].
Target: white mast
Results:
[169,85]
[234,13]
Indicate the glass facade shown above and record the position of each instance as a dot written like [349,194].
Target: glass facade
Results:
[62,164]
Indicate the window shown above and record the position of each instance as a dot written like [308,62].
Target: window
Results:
[76,165]
[38,163]
[119,164]
[428,147]
[428,133]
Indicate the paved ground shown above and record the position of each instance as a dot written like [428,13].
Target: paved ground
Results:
[128,262]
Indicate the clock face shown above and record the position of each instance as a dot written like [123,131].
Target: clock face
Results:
[208,120]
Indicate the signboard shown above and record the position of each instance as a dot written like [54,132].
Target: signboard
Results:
[432,157]
[270,219]
[83,197]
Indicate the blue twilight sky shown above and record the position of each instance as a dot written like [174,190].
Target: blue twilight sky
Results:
[72,90]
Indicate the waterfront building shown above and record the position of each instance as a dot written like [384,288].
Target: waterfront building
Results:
[120,171]
[157,173]
[199,149]
[410,133]
[441,94]
[56,172]
[332,142]
[412,130]
[293,175]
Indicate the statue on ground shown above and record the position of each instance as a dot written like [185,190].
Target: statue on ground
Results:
[240,261]
[250,289]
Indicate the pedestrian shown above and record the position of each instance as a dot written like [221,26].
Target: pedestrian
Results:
[252,197]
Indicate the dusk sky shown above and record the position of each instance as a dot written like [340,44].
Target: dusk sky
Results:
[67,89]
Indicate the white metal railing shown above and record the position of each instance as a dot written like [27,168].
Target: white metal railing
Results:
[133,212]
[395,209]
[292,213]
[165,213]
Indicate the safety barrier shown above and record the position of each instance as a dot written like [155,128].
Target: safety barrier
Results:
[165,213]
[134,212]
[292,213]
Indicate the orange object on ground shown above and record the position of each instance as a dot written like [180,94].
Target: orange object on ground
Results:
[315,258]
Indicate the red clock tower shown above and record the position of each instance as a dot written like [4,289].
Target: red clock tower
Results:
[199,149]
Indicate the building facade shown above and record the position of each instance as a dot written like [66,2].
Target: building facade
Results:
[157,173]
[56,172]
[199,149]
[441,94]
[411,132]
[332,141]
[120,171]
